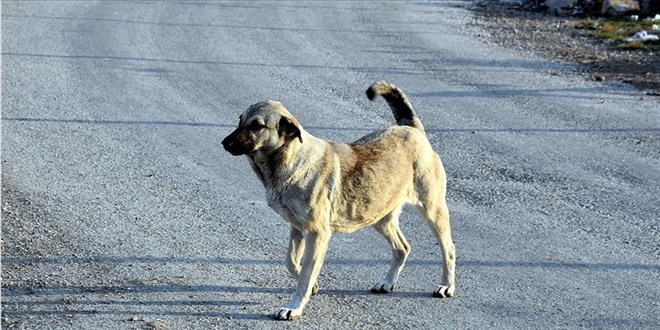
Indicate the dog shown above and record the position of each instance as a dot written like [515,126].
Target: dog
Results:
[322,187]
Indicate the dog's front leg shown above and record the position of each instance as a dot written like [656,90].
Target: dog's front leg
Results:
[316,244]
[293,255]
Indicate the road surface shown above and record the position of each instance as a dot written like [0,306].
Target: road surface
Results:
[121,210]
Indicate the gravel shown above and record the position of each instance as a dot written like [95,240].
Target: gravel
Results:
[558,38]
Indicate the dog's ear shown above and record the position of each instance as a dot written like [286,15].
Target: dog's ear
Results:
[290,127]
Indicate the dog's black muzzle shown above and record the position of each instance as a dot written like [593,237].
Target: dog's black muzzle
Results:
[237,144]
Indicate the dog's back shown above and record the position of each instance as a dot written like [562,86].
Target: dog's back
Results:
[379,171]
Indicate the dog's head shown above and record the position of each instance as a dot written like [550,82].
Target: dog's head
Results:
[263,127]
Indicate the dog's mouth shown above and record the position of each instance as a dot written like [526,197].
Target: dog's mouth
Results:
[235,152]
[238,150]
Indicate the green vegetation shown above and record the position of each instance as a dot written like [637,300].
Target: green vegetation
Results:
[617,30]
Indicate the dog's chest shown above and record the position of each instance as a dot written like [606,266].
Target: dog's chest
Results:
[289,208]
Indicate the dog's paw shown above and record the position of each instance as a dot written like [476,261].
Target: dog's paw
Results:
[288,314]
[444,292]
[383,286]
[315,289]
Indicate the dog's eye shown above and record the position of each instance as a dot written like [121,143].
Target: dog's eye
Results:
[255,126]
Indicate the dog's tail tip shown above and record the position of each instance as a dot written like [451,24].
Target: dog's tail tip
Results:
[371,93]
[381,87]
[401,108]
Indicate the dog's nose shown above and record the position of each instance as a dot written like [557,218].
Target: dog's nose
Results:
[228,144]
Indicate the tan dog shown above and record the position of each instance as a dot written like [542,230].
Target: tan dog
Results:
[321,187]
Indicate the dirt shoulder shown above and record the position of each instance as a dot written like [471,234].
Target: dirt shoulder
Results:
[558,38]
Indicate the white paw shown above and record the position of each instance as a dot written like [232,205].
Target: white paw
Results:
[444,292]
[383,286]
[288,314]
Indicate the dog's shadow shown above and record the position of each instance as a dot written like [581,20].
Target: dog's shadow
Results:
[367,293]
[66,301]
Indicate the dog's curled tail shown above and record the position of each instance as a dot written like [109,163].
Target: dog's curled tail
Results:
[398,102]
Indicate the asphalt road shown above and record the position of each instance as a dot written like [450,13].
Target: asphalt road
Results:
[121,210]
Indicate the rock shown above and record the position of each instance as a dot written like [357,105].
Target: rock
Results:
[560,7]
[649,7]
[642,36]
[619,7]
[511,2]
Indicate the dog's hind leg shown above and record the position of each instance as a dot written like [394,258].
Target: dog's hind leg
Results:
[433,207]
[294,254]
[438,221]
[437,217]
[389,228]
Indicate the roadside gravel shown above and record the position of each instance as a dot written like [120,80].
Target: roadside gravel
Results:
[557,38]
